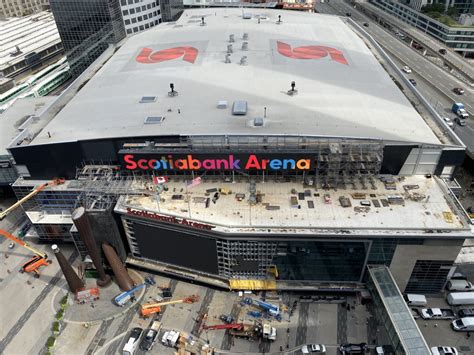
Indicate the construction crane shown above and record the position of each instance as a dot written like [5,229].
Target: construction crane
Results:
[34,192]
[40,258]
[152,308]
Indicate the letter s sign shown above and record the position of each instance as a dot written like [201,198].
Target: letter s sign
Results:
[310,52]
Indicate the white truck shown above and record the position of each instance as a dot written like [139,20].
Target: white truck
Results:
[463,324]
[460,298]
[413,300]
[269,332]
[170,338]
[437,313]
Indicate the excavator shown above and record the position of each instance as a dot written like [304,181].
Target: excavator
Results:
[40,258]
[151,308]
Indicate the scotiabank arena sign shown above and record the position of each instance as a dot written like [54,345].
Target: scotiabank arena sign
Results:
[241,162]
[169,219]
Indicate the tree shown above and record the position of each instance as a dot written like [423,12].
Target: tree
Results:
[453,11]
[439,8]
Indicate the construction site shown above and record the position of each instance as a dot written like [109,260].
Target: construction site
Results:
[252,219]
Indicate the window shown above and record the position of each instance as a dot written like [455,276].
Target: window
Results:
[143,8]
[148,6]
[123,2]
[147,25]
[141,28]
[137,9]
[139,18]
[129,31]
[135,29]
[145,17]
[125,12]
[134,20]
[132,11]
[130,2]
[127,22]
[428,276]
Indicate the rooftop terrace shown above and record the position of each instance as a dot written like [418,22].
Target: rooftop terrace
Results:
[417,205]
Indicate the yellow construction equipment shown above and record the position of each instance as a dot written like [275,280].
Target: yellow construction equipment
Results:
[252,285]
[152,308]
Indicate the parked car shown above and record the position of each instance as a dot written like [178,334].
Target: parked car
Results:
[444,350]
[414,300]
[448,121]
[366,24]
[385,350]
[437,313]
[149,340]
[406,69]
[132,342]
[469,312]
[459,285]
[11,245]
[465,324]
[412,81]
[353,348]
[313,349]
[458,91]
[442,51]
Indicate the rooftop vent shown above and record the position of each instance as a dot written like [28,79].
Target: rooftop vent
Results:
[245,46]
[279,20]
[231,38]
[239,108]
[229,48]
[222,104]
[154,119]
[247,16]
[243,60]
[292,91]
[147,99]
[245,36]
[258,122]
[203,23]
[173,92]
[227,58]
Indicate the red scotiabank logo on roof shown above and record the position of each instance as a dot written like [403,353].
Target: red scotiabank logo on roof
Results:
[311,52]
[147,56]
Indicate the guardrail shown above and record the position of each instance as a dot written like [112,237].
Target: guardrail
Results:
[420,97]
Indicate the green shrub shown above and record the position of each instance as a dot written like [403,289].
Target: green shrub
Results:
[60,314]
[50,342]
[56,326]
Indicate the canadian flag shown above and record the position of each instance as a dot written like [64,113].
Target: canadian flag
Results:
[157,180]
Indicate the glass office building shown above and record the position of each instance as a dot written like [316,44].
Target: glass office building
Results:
[87,28]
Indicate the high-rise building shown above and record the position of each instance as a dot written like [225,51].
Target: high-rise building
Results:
[171,10]
[463,6]
[139,15]
[87,27]
[19,8]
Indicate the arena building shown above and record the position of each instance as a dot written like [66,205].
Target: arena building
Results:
[251,146]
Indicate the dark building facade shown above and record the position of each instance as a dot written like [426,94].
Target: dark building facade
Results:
[87,27]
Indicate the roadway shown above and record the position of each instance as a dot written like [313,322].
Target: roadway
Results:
[437,83]
[451,56]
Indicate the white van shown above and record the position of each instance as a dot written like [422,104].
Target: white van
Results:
[132,343]
[463,324]
[460,298]
[459,285]
[415,300]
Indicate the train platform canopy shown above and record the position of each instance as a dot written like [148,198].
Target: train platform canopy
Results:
[342,89]
[20,36]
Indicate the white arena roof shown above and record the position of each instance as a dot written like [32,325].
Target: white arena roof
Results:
[343,91]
